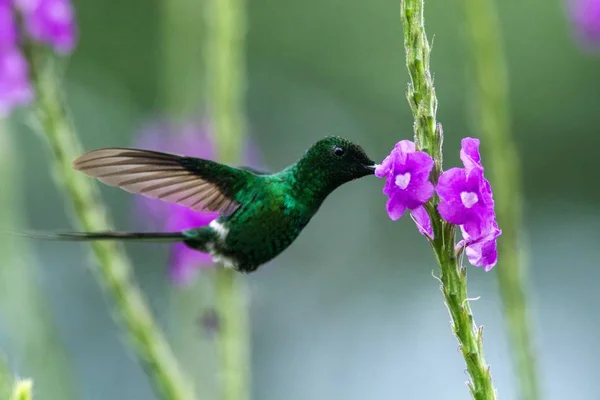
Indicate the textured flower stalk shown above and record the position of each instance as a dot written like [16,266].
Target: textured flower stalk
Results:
[114,270]
[226,88]
[31,330]
[5,378]
[490,86]
[22,390]
[429,137]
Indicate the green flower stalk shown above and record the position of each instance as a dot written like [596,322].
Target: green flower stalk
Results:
[114,270]
[226,88]
[31,330]
[9,388]
[181,92]
[181,58]
[5,378]
[23,390]
[429,138]
[492,115]
[233,335]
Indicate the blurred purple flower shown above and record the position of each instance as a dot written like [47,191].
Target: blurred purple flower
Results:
[8,29]
[192,139]
[407,182]
[46,21]
[466,200]
[14,80]
[585,16]
[50,22]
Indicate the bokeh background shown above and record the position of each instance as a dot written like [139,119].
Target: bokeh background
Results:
[350,311]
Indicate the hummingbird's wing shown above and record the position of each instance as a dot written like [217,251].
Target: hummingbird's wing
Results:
[199,184]
[254,170]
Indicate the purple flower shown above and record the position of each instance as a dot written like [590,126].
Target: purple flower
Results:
[481,251]
[50,22]
[8,28]
[466,200]
[14,80]
[407,183]
[585,15]
[191,139]
[46,21]
[422,220]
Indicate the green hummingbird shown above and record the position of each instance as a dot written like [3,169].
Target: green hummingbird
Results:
[260,213]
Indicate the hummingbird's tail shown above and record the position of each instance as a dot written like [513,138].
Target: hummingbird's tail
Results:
[118,236]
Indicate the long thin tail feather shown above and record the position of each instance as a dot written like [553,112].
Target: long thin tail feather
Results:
[119,236]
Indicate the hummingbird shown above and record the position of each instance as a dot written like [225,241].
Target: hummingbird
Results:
[260,213]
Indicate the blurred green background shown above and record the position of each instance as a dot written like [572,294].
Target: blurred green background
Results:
[351,310]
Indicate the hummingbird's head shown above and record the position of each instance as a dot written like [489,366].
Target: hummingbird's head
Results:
[340,160]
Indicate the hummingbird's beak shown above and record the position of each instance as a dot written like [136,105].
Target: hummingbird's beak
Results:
[371,168]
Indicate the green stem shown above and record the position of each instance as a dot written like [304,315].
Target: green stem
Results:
[226,74]
[491,99]
[6,378]
[429,137]
[181,83]
[22,390]
[233,332]
[181,92]
[19,389]
[114,270]
[31,330]
[226,25]
[191,332]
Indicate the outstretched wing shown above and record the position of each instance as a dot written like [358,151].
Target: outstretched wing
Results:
[201,185]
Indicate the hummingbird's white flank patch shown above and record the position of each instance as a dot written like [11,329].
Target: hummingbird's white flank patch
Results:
[218,258]
[219,229]
[225,261]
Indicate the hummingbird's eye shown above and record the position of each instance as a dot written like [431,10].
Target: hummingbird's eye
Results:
[339,151]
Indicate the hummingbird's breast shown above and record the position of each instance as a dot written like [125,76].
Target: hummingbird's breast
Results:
[263,228]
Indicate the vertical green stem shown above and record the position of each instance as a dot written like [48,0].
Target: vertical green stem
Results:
[181,69]
[6,378]
[22,390]
[233,334]
[29,321]
[114,270]
[11,389]
[429,137]
[226,25]
[226,84]
[181,93]
[491,101]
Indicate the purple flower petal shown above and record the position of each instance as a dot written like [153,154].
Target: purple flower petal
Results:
[185,264]
[8,28]
[395,207]
[403,148]
[450,185]
[481,250]
[51,22]
[407,178]
[381,170]
[469,153]
[421,194]
[15,89]
[466,200]
[422,221]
